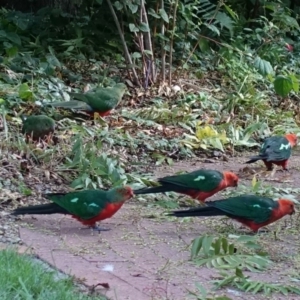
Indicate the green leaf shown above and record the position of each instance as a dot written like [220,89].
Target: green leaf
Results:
[233,14]
[245,238]
[136,55]
[225,21]
[217,246]
[133,28]
[164,15]
[53,61]
[118,5]
[132,7]
[70,49]
[24,92]
[148,52]
[264,67]
[203,44]
[239,273]
[202,290]
[144,27]
[196,246]
[152,13]
[231,249]
[283,85]
[170,161]
[213,28]
[290,21]
[12,51]
[216,143]
[167,204]
[224,245]
[207,241]
[13,37]
[295,81]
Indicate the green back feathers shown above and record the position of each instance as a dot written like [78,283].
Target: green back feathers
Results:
[204,180]
[89,203]
[102,99]
[38,126]
[256,208]
[276,148]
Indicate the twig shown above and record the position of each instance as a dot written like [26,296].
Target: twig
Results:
[163,51]
[127,55]
[172,41]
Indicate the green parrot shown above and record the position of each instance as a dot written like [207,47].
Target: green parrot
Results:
[200,184]
[276,150]
[37,126]
[99,100]
[250,210]
[88,207]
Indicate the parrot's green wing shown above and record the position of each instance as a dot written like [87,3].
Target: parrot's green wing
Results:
[102,99]
[275,148]
[204,180]
[258,209]
[84,204]
[73,105]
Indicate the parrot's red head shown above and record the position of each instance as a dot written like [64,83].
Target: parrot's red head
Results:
[292,138]
[231,179]
[287,207]
[126,192]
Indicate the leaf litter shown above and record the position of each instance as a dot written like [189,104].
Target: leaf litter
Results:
[137,135]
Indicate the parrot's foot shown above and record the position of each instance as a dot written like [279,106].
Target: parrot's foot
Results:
[286,170]
[99,229]
[263,230]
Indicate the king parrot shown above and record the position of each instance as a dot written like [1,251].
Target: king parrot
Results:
[275,150]
[99,100]
[250,210]
[38,126]
[199,184]
[88,207]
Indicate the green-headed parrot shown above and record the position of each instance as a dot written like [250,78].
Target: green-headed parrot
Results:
[37,127]
[99,100]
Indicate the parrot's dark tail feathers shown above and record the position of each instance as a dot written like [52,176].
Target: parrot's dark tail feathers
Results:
[43,209]
[253,159]
[198,212]
[152,190]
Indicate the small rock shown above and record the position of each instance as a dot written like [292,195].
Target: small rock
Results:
[209,161]
[176,88]
[217,153]
[7,182]
[3,213]
[225,158]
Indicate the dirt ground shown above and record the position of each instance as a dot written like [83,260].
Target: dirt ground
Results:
[146,255]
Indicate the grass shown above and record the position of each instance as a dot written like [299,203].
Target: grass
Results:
[23,278]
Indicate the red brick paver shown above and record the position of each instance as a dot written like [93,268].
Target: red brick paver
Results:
[139,260]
